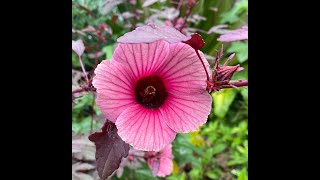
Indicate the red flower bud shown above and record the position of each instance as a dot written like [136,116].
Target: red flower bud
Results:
[222,74]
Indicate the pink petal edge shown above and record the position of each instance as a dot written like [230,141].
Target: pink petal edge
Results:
[165,164]
[186,113]
[166,167]
[114,89]
[144,129]
[183,72]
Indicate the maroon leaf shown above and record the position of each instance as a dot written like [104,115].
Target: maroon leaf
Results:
[79,171]
[110,149]
[219,29]
[108,5]
[127,15]
[97,54]
[150,33]
[196,18]
[82,148]
[89,29]
[196,41]
[105,27]
[149,2]
[235,35]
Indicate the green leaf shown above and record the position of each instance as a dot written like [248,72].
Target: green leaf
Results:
[244,93]
[241,74]
[222,101]
[176,177]
[241,150]
[234,14]
[243,174]
[83,126]
[183,151]
[144,174]
[218,148]
[209,128]
[238,161]
[212,175]
[241,5]
[75,60]
[195,174]
[96,109]
[109,51]
[230,17]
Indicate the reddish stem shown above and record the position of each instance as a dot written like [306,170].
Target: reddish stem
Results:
[87,10]
[96,53]
[78,91]
[179,5]
[85,88]
[204,67]
[84,71]
[187,15]
[239,83]
[91,114]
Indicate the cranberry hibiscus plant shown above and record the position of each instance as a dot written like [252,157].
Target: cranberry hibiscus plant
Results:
[157,84]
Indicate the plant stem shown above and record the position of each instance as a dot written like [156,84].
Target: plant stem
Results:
[86,88]
[240,83]
[204,67]
[78,90]
[187,15]
[87,10]
[179,5]
[96,53]
[91,114]
[84,71]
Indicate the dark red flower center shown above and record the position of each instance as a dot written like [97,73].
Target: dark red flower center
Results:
[150,92]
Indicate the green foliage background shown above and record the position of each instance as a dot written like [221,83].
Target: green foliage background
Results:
[219,150]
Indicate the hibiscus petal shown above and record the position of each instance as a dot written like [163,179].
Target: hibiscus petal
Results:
[183,72]
[142,59]
[166,167]
[155,165]
[114,89]
[144,129]
[167,151]
[186,113]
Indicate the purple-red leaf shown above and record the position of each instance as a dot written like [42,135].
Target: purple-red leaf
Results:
[83,149]
[79,169]
[196,41]
[219,29]
[150,33]
[235,35]
[110,149]
[96,55]
[108,5]
[150,2]
[78,47]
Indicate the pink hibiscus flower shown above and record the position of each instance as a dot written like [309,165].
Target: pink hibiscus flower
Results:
[151,91]
[160,162]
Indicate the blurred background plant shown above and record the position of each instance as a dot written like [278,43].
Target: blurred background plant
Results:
[219,149]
